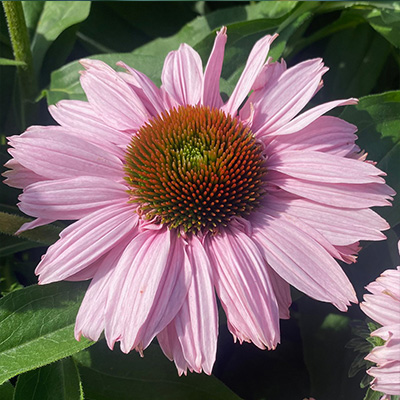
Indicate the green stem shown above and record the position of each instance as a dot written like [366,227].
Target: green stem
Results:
[21,48]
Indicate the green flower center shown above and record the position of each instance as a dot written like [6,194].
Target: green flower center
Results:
[194,169]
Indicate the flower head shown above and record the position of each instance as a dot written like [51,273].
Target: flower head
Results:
[383,306]
[178,195]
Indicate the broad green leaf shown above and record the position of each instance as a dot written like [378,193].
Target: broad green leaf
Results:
[57,381]
[13,244]
[378,120]
[36,326]
[386,22]
[32,12]
[325,334]
[150,58]
[55,17]
[10,223]
[357,65]
[7,61]
[7,391]
[112,375]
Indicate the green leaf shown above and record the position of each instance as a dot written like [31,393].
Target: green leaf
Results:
[378,120]
[13,244]
[325,334]
[36,326]
[7,391]
[356,66]
[373,395]
[112,375]
[386,22]
[55,17]
[32,12]
[59,381]
[149,58]
[6,61]
[45,235]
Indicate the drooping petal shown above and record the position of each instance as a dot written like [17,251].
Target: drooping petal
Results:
[326,134]
[339,225]
[197,321]
[321,167]
[212,74]
[386,380]
[282,293]
[250,73]
[19,176]
[346,195]
[50,152]
[302,261]
[87,240]
[172,348]
[182,75]
[111,97]
[90,321]
[244,288]
[147,289]
[306,118]
[70,198]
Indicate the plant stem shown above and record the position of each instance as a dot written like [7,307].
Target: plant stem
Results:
[21,48]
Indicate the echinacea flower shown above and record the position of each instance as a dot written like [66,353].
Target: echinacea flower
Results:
[383,306]
[178,195]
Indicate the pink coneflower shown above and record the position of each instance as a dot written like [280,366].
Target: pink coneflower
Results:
[383,306]
[178,195]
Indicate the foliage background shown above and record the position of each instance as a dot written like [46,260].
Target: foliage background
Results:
[321,349]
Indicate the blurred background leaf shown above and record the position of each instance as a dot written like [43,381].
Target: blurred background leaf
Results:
[113,375]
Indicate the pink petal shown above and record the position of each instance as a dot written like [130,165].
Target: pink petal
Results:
[382,308]
[148,92]
[87,240]
[386,379]
[19,176]
[340,226]
[343,195]
[282,293]
[70,198]
[34,224]
[82,121]
[306,118]
[172,348]
[250,73]
[182,75]
[90,321]
[244,288]
[147,289]
[267,77]
[282,101]
[326,134]
[301,261]
[321,167]
[111,97]
[212,74]
[269,74]
[348,253]
[197,321]
[51,152]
